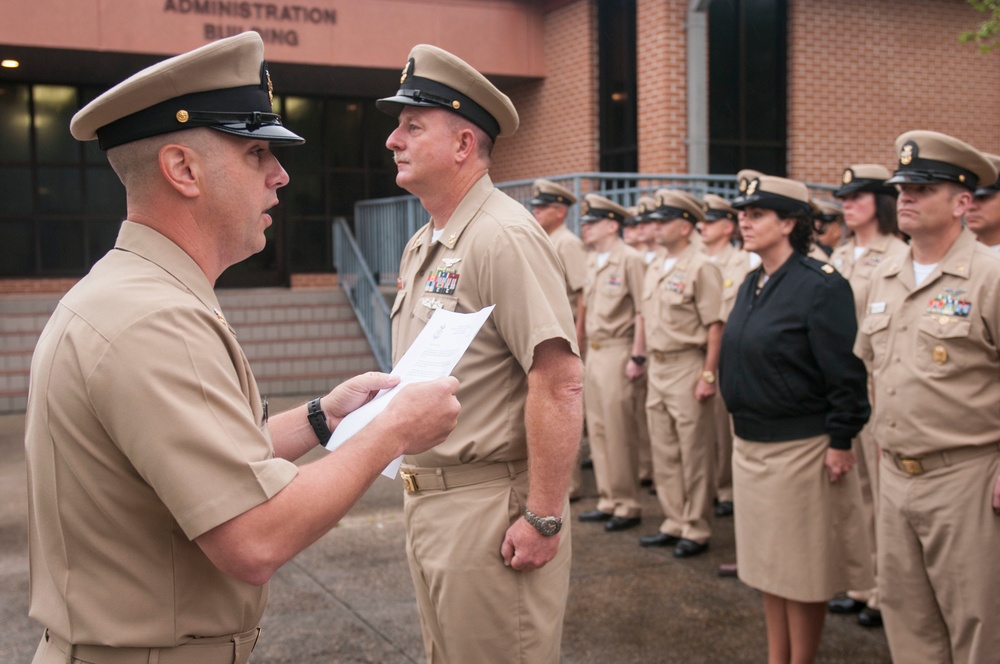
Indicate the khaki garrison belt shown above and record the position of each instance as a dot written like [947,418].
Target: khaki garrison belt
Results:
[928,462]
[233,649]
[452,477]
[598,344]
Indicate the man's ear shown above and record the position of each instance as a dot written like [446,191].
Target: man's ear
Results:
[466,145]
[180,168]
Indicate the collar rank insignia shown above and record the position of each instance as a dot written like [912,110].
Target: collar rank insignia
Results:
[222,319]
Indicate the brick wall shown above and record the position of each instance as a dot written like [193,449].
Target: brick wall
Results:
[863,72]
[558,131]
[662,85]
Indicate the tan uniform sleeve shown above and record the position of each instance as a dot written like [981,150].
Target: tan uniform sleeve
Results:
[708,298]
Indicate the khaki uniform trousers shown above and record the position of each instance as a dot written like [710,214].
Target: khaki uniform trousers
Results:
[609,400]
[681,435]
[939,562]
[639,389]
[232,649]
[472,607]
[723,450]
[866,452]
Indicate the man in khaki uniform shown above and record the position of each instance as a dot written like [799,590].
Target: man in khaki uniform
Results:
[717,231]
[983,217]
[828,220]
[930,332]
[616,357]
[549,204]
[484,510]
[681,310]
[161,497]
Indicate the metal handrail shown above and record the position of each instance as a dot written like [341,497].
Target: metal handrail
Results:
[355,277]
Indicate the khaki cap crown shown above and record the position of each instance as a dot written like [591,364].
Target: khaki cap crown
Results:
[223,85]
[544,192]
[864,177]
[676,204]
[827,212]
[644,207]
[926,157]
[595,208]
[782,195]
[433,77]
[990,189]
[718,208]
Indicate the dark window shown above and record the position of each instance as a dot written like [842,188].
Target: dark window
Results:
[747,85]
[63,204]
[617,86]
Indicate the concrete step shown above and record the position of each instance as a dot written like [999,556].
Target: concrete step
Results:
[298,341]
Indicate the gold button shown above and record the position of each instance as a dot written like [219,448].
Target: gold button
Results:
[939,355]
[182,116]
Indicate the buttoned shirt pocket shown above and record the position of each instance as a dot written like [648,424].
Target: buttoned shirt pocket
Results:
[875,327]
[425,306]
[942,343]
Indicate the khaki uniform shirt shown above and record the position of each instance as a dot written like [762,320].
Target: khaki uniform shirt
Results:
[144,429]
[573,255]
[816,252]
[679,305]
[933,351]
[491,252]
[859,273]
[734,264]
[612,293]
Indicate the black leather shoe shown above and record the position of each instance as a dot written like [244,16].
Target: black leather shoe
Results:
[869,617]
[659,539]
[687,548]
[724,508]
[617,523]
[844,605]
[586,464]
[648,482]
[594,516]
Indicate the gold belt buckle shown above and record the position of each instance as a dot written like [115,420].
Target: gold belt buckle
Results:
[409,481]
[911,466]
[596,345]
[658,356]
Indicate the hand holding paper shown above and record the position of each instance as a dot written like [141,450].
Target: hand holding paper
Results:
[433,354]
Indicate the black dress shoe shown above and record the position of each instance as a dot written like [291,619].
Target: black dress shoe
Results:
[659,539]
[586,464]
[869,617]
[594,516]
[724,508]
[844,605]
[648,482]
[687,548]
[617,523]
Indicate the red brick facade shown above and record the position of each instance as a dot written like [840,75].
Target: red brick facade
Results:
[662,83]
[860,73]
[558,133]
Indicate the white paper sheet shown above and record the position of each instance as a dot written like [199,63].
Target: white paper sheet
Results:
[433,354]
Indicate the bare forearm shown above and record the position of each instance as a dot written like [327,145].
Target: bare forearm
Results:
[554,422]
[291,434]
[713,346]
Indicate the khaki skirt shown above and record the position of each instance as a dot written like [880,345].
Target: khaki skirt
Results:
[798,536]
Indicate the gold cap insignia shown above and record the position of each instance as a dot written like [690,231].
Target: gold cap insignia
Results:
[270,88]
[743,185]
[406,70]
[907,153]
[584,208]
[182,116]
[752,187]
[848,176]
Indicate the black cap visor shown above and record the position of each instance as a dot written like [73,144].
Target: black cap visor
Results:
[768,201]
[418,91]
[864,184]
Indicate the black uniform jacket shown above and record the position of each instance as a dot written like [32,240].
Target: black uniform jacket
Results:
[787,370]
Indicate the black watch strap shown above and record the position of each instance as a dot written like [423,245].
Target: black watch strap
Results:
[318,421]
[639,359]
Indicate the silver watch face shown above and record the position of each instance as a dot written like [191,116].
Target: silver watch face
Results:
[547,525]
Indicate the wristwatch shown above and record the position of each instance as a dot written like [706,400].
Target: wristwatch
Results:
[317,418]
[547,526]
[708,376]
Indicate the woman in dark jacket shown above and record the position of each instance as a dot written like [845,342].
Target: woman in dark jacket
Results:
[797,396]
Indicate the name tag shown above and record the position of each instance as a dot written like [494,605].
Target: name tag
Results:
[876,308]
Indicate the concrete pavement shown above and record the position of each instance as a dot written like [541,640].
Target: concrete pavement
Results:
[348,598]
